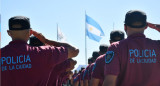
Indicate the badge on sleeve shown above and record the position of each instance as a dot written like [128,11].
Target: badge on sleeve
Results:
[109,56]
[94,67]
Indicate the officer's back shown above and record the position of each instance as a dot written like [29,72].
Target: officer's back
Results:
[139,61]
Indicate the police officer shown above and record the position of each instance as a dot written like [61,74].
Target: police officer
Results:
[135,60]
[25,65]
[88,71]
[59,69]
[98,73]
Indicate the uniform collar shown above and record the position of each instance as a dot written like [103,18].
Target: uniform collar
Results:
[136,35]
[16,42]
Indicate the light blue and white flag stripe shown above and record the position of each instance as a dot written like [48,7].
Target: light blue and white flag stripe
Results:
[0,23]
[93,29]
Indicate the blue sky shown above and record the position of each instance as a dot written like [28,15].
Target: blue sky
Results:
[70,16]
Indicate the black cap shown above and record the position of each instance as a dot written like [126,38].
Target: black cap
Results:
[33,41]
[135,16]
[19,23]
[116,35]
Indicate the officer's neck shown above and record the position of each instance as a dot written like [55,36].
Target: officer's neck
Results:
[14,39]
[131,31]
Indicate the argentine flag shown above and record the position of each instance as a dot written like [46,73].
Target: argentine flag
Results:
[93,29]
[61,36]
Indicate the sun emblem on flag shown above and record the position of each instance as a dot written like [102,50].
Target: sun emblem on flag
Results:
[90,29]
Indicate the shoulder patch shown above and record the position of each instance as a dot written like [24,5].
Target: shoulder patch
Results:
[109,56]
[94,67]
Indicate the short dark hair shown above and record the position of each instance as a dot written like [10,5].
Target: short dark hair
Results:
[90,60]
[135,16]
[19,23]
[95,54]
[116,33]
[103,47]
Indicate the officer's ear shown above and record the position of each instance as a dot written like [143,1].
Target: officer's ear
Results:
[9,32]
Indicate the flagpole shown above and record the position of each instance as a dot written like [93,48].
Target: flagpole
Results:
[85,41]
[113,25]
[57,31]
